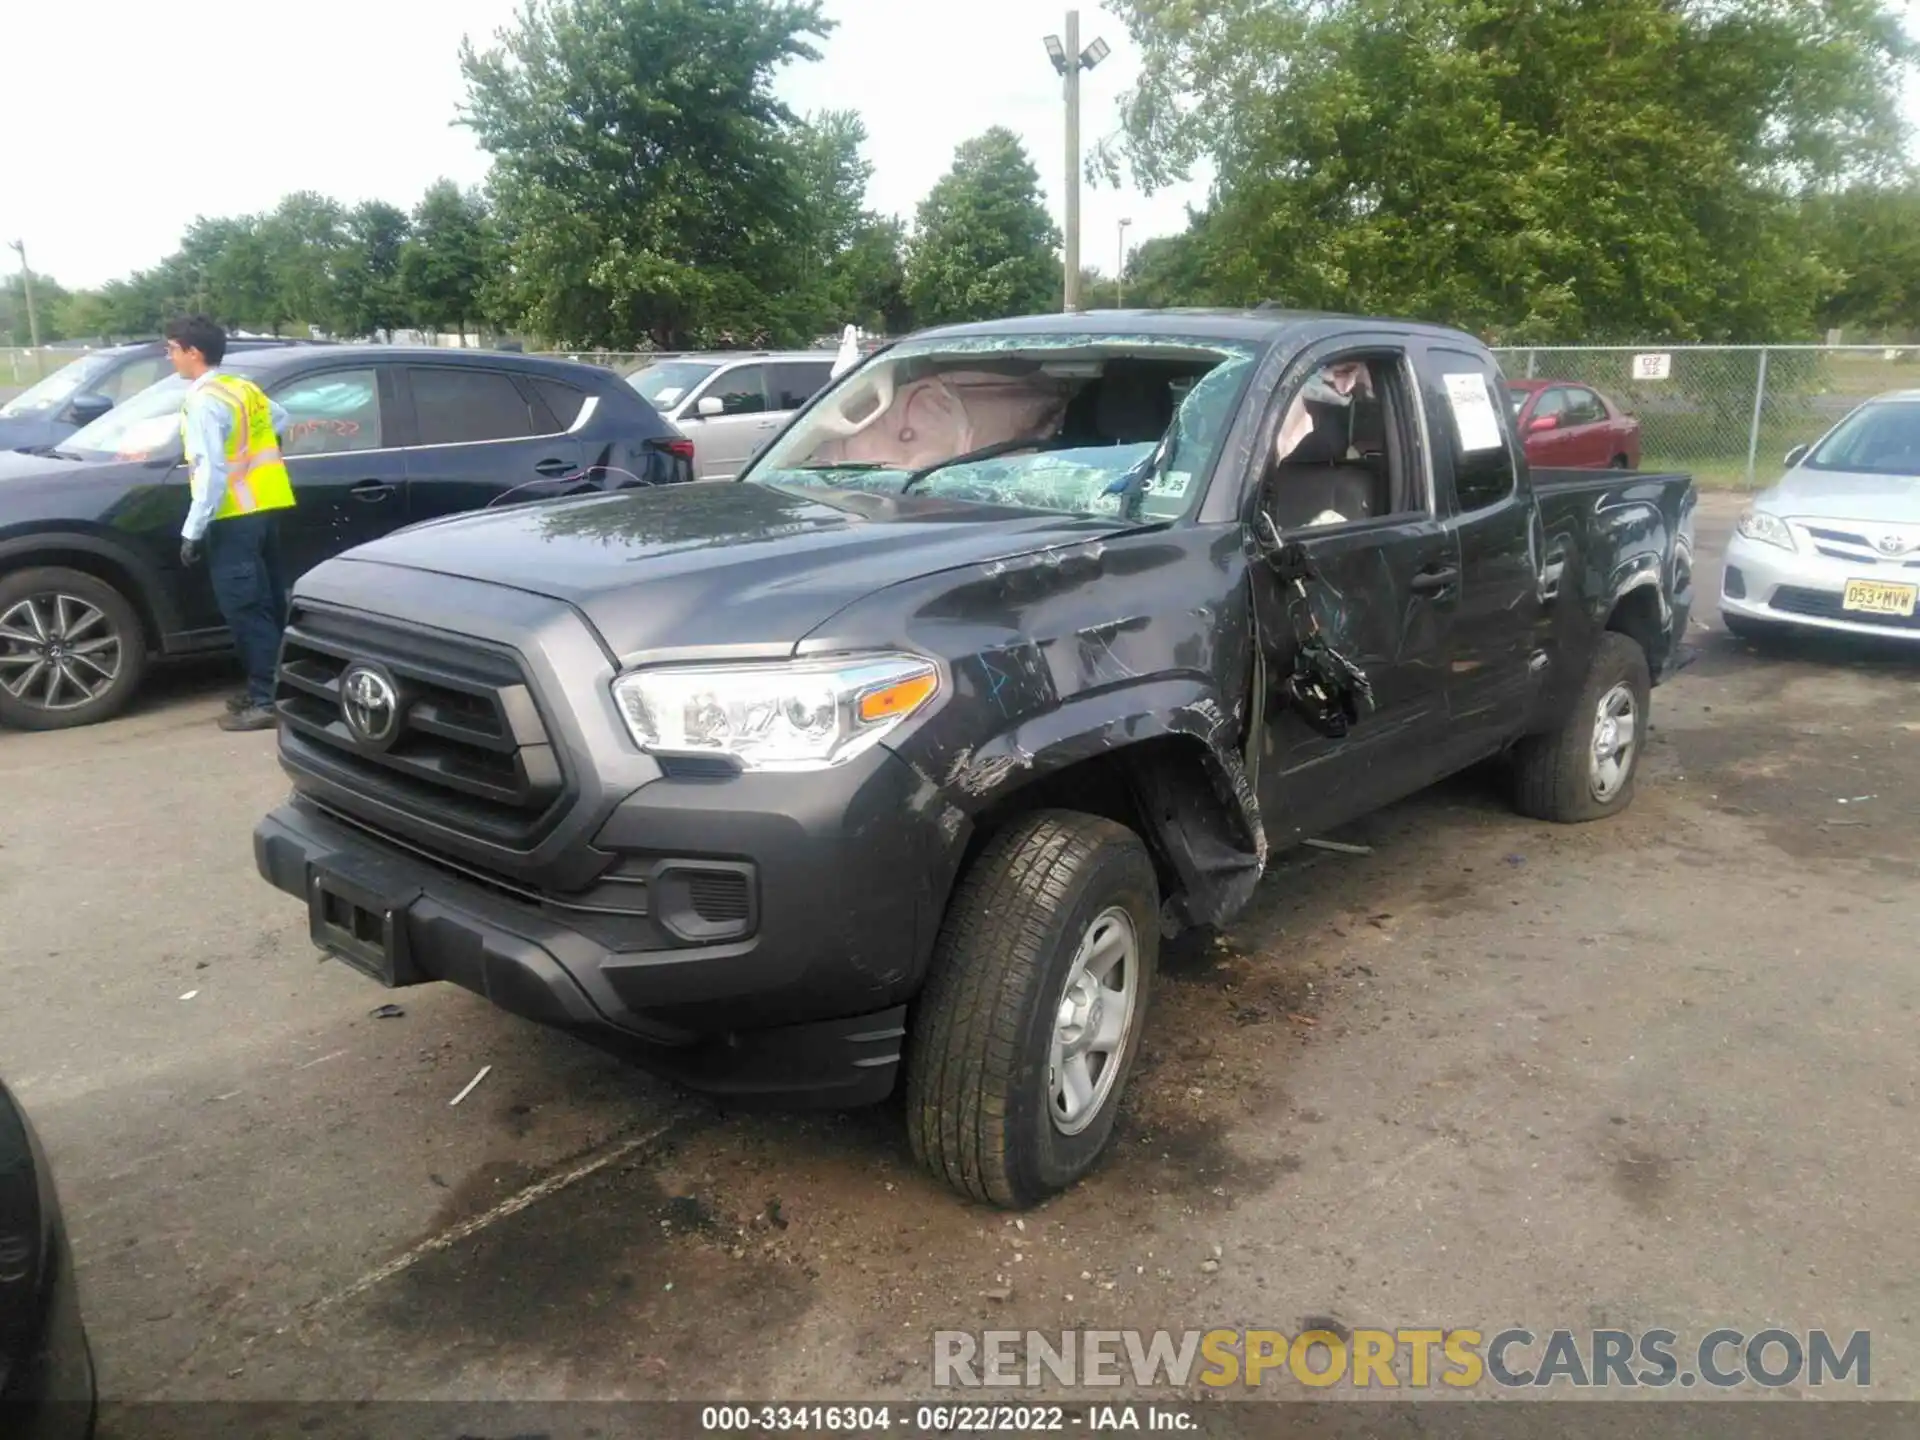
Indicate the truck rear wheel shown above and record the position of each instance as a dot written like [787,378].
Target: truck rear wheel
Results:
[1031,1017]
[72,649]
[1585,770]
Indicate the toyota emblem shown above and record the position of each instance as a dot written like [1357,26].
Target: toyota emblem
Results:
[369,704]
[1893,545]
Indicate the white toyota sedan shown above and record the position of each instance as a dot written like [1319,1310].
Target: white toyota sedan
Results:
[1835,545]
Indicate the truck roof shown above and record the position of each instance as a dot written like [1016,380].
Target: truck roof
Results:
[1261,324]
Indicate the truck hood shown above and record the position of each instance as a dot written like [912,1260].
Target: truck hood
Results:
[701,566]
[1844,495]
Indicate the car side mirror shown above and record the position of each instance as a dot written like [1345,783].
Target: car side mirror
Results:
[1541,423]
[88,407]
[710,406]
[1797,454]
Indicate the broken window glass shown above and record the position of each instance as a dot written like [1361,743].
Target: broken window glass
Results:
[1079,424]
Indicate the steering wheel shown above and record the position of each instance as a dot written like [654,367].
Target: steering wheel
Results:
[833,418]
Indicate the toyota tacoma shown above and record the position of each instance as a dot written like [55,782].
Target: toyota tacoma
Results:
[1020,647]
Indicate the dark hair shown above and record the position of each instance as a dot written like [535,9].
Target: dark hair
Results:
[197,332]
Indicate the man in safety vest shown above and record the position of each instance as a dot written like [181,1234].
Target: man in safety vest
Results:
[231,431]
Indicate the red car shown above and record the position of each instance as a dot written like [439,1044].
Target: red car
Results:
[1567,425]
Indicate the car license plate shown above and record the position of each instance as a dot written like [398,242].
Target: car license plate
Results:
[362,922]
[1879,597]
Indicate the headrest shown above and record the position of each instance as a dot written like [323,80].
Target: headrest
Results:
[1135,403]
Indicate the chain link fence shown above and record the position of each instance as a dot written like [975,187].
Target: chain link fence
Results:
[1727,414]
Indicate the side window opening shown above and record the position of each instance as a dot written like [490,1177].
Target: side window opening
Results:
[562,399]
[1344,452]
[332,412]
[1465,413]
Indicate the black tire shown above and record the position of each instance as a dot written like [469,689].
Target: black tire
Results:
[980,1107]
[126,654]
[1554,775]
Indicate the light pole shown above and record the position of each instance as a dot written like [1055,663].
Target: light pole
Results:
[1069,59]
[1120,268]
[19,247]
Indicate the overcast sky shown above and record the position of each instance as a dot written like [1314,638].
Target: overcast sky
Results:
[102,167]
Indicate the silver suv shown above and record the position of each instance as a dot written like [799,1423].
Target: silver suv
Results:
[731,404]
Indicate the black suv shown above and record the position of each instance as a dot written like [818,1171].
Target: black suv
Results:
[84,389]
[91,586]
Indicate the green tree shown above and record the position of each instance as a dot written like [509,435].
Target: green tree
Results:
[305,243]
[444,264]
[984,245]
[1528,169]
[85,315]
[225,268]
[50,303]
[1870,239]
[370,297]
[870,278]
[643,169]
[1172,269]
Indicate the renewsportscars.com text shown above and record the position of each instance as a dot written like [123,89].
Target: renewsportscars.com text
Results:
[1414,1359]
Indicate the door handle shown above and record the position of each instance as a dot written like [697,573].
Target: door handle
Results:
[370,491]
[553,467]
[1429,582]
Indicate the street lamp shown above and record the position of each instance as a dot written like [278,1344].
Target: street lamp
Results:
[1070,69]
[1120,267]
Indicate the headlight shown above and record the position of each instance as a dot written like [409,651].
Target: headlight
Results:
[787,715]
[1767,529]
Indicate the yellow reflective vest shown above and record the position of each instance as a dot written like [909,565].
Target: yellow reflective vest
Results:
[257,477]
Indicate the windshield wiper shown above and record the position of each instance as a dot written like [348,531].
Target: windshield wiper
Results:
[985,452]
[64,455]
[846,465]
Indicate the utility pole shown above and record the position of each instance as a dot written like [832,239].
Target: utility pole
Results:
[19,247]
[1070,60]
[1120,267]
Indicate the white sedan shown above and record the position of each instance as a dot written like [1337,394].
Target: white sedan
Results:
[1835,545]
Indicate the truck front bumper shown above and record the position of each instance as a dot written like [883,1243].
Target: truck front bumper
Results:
[803,997]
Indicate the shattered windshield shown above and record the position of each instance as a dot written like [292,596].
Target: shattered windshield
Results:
[1127,426]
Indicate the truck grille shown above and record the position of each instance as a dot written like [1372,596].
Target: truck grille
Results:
[435,725]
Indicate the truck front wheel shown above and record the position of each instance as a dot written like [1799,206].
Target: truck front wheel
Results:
[1585,769]
[1031,1016]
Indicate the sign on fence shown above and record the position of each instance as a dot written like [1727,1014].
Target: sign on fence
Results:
[1652,367]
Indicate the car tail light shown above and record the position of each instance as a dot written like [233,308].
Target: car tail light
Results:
[682,448]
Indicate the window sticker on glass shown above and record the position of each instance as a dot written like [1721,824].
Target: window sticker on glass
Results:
[669,396]
[1473,417]
[1172,485]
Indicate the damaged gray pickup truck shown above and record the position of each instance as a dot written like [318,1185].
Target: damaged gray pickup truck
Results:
[1021,647]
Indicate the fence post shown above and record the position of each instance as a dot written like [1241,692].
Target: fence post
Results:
[1533,358]
[1753,431]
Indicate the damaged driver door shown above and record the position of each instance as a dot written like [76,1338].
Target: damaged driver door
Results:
[1355,595]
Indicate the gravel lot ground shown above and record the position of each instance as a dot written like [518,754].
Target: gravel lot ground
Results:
[1660,1071]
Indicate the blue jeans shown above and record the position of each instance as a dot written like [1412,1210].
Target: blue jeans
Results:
[243,557]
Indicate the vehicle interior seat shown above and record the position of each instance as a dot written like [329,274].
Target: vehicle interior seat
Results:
[1134,403]
[1341,468]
